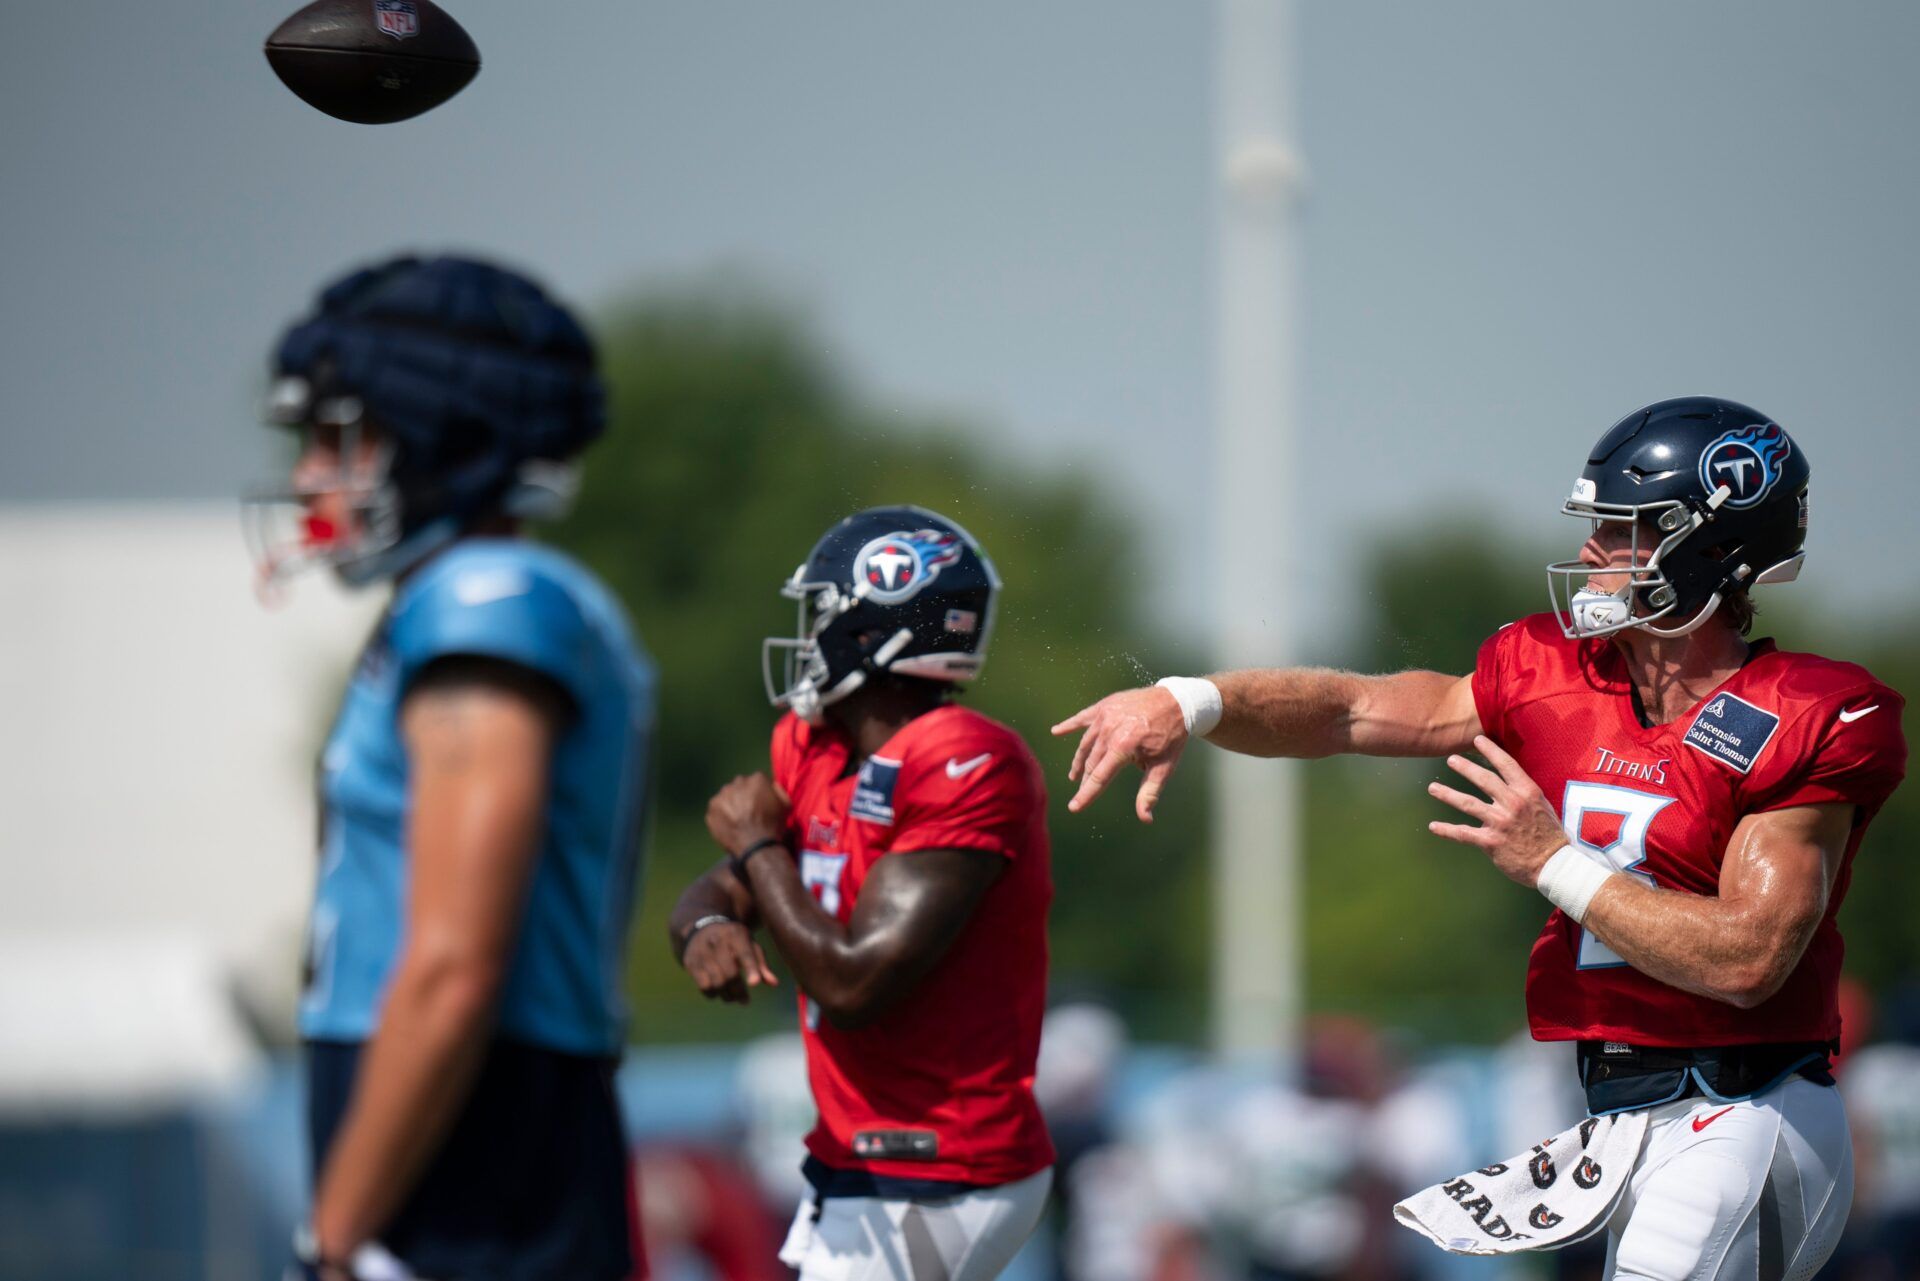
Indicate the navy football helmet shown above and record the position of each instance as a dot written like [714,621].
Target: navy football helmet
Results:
[1716,495]
[890,589]
[478,388]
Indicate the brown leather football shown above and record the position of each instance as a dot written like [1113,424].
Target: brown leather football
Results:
[373,61]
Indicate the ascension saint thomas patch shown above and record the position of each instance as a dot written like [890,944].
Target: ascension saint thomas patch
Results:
[1733,731]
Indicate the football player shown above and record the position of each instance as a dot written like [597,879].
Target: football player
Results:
[898,857]
[482,792]
[1689,800]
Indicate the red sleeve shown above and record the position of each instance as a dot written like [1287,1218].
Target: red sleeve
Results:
[1490,679]
[1858,754]
[786,749]
[975,793]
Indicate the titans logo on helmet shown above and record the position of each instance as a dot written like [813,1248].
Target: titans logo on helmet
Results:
[1746,461]
[894,568]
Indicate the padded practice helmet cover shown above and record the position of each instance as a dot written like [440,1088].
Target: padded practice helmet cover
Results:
[471,370]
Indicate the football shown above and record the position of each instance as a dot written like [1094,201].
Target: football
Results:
[373,61]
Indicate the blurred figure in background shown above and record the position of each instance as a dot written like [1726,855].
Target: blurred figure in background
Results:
[714,1205]
[702,1214]
[1272,1178]
[482,792]
[776,1114]
[898,855]
[1226,1172]
[1082,1046]
[1881,1082]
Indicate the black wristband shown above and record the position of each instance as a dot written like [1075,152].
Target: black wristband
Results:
[738,862]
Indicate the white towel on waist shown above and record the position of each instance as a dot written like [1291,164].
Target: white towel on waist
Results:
[1556,1193]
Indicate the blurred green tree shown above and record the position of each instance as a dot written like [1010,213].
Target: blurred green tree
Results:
[733,446]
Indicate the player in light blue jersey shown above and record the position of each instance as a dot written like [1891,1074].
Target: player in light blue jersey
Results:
[483,791]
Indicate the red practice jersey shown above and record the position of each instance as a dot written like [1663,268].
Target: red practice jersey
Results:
[1661,803]
[940,1086]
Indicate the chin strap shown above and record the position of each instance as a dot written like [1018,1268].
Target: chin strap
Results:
[808,702]
[884,656]
[1604,613]
[1692,624]
[389,562]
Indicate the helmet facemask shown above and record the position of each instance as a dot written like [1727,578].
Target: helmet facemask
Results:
[1646,596]
[1654,588]
[283,532]
[384,531]
[829,657]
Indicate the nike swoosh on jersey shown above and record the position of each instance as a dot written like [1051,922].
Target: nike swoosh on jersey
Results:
[1702,1122]
[960,769]
[483,587]
[1848,718]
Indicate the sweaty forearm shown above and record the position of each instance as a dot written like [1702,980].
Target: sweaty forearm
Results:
[1295,711]
[1700,944]
[714,893]
[825,960]
[1310,712]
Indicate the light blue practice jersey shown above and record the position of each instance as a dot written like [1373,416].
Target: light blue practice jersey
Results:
[532,606]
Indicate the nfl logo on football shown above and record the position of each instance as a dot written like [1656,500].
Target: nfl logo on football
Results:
[398,18]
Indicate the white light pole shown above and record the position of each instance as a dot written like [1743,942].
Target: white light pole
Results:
[1256,961]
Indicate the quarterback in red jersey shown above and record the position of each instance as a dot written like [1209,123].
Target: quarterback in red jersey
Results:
[898,856]
[1688,800]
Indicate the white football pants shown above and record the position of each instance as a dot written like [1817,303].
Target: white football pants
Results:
[970,1237]
[1753,1191]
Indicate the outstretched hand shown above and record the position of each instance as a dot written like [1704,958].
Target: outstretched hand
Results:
[1142,727]
[1518,829]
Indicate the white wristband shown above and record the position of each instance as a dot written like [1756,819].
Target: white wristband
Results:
[1199,699]
[712,918]
[1570,879]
